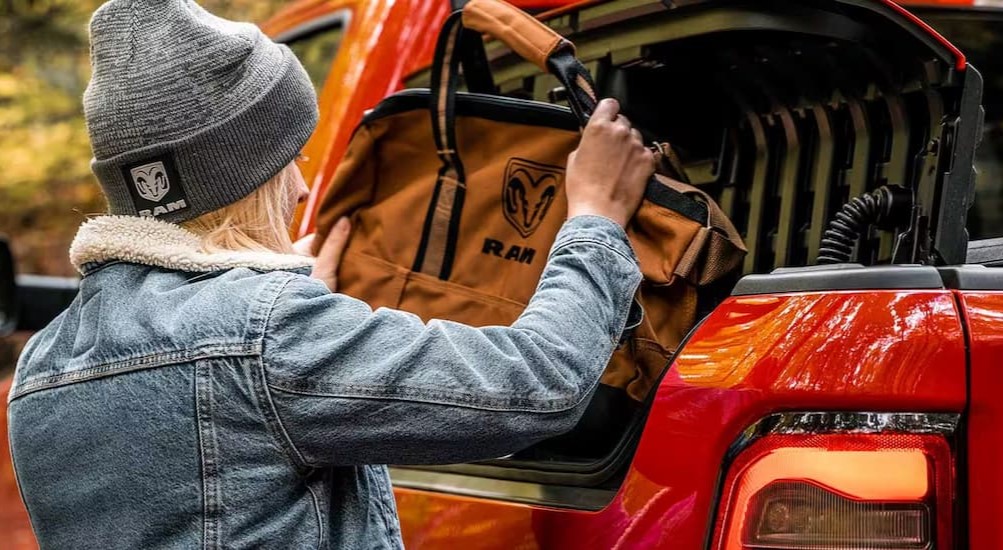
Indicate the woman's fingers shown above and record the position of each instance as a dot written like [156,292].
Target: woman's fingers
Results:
[606,175]
[606,110]
[331,251]
[329,257]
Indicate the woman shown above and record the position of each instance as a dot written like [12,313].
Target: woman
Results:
[203,390]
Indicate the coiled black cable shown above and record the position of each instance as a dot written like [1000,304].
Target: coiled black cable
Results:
[844,230]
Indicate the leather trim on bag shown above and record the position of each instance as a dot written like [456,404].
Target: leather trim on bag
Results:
[453,231]
[522,32]
[439,234]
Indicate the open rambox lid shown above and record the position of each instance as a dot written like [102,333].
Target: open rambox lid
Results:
[784,110]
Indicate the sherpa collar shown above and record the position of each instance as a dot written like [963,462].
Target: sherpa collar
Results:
[153,242]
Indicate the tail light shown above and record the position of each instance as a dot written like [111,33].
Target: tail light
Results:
[858,487]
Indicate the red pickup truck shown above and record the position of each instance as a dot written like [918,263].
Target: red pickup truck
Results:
[847,405]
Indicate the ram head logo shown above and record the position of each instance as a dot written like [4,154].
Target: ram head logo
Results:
[528,192]
[151,181]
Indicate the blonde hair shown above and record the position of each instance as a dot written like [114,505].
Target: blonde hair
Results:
[256,222]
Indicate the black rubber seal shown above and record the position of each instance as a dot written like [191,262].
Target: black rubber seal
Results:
[840,277]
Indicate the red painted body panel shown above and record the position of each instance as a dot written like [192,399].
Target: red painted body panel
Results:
[984,315]
[858,351]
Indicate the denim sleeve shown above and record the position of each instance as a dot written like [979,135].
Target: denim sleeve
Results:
[355,386]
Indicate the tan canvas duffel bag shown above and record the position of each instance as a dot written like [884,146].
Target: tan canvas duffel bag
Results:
[456,198]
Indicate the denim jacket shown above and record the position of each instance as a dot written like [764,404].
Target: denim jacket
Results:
[228,400]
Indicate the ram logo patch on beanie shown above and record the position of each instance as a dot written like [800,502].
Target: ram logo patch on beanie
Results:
[156,188]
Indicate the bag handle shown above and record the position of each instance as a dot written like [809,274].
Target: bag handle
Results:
[538,44]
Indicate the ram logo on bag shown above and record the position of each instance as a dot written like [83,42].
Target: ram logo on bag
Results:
[528,191]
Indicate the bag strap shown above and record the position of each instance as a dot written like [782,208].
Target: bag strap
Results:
[474,61]
[437,247]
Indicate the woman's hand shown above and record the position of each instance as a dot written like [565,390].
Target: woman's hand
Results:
[329,256]
[608,172]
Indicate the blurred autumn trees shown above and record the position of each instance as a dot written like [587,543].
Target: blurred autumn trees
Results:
[46,187]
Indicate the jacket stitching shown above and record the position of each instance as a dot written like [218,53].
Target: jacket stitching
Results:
[320,519]
[264,304]
[296,455]
[91,268]
[391,524]
[133,364]
[17,482]
[274,423]
[208,454]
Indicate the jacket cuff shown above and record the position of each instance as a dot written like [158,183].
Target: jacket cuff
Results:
[598,230]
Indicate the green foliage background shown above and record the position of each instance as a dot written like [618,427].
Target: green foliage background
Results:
[46,187]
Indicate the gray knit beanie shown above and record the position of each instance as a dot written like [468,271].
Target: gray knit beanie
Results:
[188,112]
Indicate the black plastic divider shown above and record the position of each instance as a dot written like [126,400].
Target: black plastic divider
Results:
[856,174]
[878,118]
[821,179]
[754,228]
[803,197]
[788,170]
[733,158]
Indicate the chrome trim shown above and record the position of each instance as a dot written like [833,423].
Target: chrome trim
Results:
[865,422]
[558,496]
[806,423]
